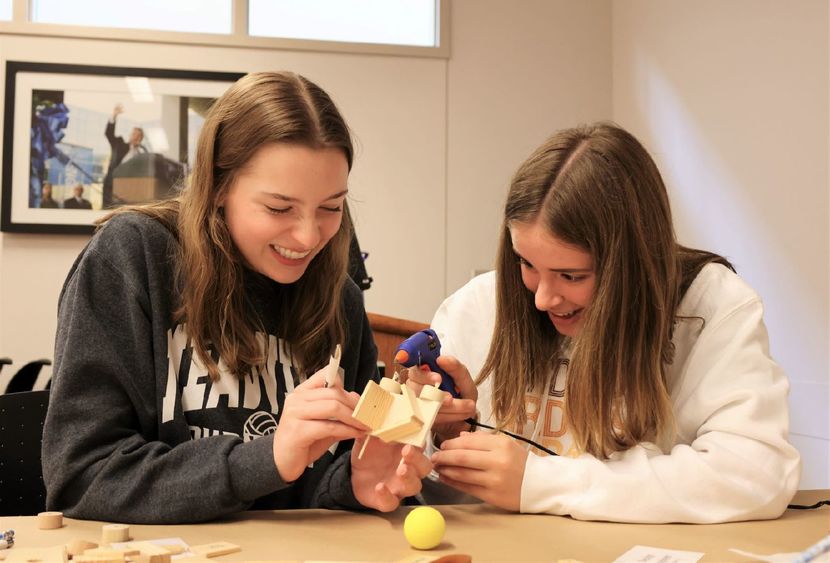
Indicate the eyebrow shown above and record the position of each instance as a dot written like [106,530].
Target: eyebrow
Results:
[282,197]
[558,270]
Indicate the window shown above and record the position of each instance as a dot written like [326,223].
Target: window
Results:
[392,22]
[199,16]
[389,27]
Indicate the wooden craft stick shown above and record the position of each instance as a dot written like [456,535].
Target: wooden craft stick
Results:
[333,367]
[215,549]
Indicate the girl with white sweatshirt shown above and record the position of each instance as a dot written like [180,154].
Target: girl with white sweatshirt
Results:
[642,364]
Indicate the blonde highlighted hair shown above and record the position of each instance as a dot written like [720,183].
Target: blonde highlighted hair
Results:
[597,188]
[260,108]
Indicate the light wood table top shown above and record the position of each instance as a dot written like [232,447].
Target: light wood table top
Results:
[482,531]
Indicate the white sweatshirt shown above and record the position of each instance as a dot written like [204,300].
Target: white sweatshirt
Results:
[730,459]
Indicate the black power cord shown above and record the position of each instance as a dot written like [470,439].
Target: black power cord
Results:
[819,504]
[473,422]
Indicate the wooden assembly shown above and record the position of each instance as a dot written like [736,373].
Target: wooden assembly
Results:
[395,414]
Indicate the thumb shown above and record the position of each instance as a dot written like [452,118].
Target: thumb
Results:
[460,375]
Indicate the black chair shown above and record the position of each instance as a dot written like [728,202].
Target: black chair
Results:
[25,378]
[22,492]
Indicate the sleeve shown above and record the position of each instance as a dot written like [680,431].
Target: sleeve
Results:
[731,462]
[335,488]
[103,458]
[109,132]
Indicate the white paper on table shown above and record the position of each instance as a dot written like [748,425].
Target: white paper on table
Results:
[646,554]
[780,557]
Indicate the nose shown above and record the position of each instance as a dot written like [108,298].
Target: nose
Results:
[306,233]
[547,296]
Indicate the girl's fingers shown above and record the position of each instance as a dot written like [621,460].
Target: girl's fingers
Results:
[460,375]
[472,477]
[474,490]
[348,398]
[457,409]
[386,501]
[482,441]
[332,431]
[414,458]
[470,459]
[322,409]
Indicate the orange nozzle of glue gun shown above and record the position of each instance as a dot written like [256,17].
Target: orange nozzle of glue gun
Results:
[401,357]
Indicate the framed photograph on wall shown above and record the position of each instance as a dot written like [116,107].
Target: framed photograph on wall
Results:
[79,140]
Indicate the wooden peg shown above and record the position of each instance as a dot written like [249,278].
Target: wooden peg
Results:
[49,520]
[114,533]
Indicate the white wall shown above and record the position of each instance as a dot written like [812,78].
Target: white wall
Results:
[732,99]
[511,85]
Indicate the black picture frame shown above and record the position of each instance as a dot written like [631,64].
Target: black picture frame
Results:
[55,117]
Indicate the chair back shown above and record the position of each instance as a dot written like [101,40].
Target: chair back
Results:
[22,492]
[26,377]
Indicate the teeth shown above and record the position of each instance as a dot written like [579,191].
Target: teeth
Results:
[564,315]
[290,254]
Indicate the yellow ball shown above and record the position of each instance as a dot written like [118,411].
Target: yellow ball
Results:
[424,527]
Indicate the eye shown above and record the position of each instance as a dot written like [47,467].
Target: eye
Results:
[336,209]
[573,277]
[277,210]
[524,263]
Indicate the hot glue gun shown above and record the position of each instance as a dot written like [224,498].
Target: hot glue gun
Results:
[421,348]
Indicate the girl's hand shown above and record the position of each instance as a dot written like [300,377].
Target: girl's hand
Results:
[313,418]
[387,473]
[450,420]
[488,466]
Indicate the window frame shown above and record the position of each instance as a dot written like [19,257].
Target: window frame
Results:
[21,25]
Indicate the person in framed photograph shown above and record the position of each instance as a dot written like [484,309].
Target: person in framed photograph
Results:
[199,329]
[121,151]
[77,201]
[46,199]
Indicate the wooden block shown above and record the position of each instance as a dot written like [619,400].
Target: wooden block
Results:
[401,429]
[50,520]
[431,393]
[77,547]
[412,402]
[115,533]
[429,410]
[149,552]
[55,554]
[96,558]
[373,406]
[110,554]
[390,385]
[147,548]
[215,549]
[144,558]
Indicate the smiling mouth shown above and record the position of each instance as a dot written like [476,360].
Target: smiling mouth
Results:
[569,315]
[290,254]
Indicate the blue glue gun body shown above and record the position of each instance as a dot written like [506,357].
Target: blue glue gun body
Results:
[421,348]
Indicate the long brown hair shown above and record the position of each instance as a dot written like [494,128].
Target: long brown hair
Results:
[260,108]
[597,188]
